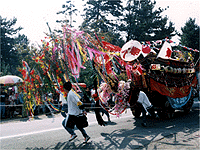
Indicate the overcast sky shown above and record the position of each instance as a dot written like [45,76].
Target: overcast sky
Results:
[32,15]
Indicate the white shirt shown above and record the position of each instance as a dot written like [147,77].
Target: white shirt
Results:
[143,99]
[16,90]
[92,91]
[72,100]
[62,99]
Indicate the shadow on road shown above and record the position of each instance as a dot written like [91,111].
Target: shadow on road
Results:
[139,137]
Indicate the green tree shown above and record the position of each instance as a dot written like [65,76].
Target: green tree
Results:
[98,13]
[22,40]
[102,17]
[9,53]
[190,34]
[142,22]
[86,74]
[69,11]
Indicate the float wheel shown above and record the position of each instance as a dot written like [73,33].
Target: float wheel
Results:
[187,107]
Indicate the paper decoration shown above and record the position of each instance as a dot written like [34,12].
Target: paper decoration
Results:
[152,44]
[155,67]
[165,51]
[146,49]
[171,69]
[131,50]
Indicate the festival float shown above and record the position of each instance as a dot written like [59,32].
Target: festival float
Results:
[168,81]
[166,76]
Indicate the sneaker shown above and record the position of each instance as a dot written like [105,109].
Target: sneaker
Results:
[16,113]
[87,139]
[73,137]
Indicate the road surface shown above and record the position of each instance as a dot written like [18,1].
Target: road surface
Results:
[125,132]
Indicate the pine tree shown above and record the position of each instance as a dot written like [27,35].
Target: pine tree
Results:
[94,19]
[143,23]
[9,55]
[102,17]
[69,11]
[190,34]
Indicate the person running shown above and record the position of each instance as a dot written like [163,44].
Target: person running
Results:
[74,111]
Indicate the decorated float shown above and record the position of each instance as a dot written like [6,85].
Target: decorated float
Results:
[149,66]
[167,77]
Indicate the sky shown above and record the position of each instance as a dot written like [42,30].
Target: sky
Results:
[32,15]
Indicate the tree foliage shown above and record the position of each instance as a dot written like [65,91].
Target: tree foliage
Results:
[69,11]
[98,12]
[135,20]
[102,17]
[143,23]
[190,34]
[10,56]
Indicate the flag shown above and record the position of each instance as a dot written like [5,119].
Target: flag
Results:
[26,73]
[165,51]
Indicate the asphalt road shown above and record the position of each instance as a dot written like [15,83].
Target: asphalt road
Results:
[126,132]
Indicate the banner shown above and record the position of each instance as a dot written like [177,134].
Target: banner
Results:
[173,92]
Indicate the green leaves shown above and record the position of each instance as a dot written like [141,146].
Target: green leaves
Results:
[190,34]
[69,11]
[9,50]
[143,23]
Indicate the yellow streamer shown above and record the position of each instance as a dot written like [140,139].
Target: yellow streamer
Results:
[30,106]
[81,52]
[76,94]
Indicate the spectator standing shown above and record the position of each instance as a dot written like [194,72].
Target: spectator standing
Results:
[3,99]
[86,98]
[56,98]
[12,104]
[64,109]
[92,91]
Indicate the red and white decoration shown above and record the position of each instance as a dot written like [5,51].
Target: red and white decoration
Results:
[165,51]
[131,50]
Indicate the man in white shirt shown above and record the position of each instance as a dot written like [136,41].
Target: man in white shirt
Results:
[147,106]
[143,99]
[74,111]
[92,91]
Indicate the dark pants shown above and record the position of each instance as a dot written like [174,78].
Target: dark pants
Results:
[64,110]
[105,112]
[2,109]
[70,130]
[144,116]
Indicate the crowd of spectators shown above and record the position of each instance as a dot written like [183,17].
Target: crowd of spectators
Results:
[12,103]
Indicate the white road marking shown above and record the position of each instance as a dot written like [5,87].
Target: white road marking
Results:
[54,129]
